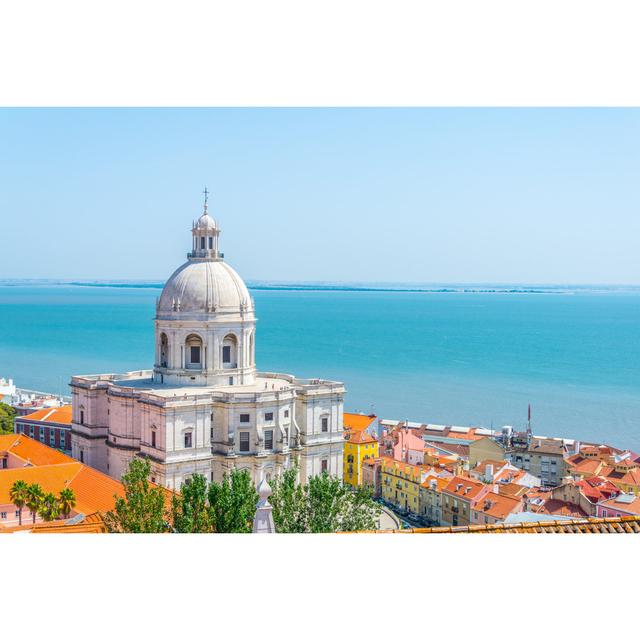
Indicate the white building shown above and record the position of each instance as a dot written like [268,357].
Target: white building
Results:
[204,408]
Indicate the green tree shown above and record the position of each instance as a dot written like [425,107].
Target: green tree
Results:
[34,497]
[19,494]
[142,510]
[289,503]
[66,501]
[190,508]
[49,508]
[7,416]
[323,505]
[232,503]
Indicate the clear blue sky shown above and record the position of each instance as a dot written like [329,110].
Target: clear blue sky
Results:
[395,195]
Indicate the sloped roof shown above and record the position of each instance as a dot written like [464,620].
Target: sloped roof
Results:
[360,437]
[624,502]
[497,505]
[358,421]
[92,523]
[464,487]
[624,524]
[94,491]
[30,450]
[58,415]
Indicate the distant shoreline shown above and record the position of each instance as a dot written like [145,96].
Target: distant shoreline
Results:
[353,287]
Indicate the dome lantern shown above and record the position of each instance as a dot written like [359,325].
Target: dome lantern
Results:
[205,232]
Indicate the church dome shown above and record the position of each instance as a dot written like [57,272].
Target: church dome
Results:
[204,287]
[206,222]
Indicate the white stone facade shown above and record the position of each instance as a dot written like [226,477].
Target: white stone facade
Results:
[204,408]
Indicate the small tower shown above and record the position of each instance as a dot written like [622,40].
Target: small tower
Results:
[205,232]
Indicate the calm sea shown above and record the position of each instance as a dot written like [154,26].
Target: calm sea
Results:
[447,358]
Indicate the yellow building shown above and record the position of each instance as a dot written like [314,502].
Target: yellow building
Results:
[401,485]
[358,447]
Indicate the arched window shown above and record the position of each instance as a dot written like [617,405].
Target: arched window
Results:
[252,355]
[349,458]
[193,352]
[230,352]
[164,350]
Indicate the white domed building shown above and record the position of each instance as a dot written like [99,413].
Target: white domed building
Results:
[204,408]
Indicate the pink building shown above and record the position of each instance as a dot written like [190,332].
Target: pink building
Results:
[404,445]
[625,504]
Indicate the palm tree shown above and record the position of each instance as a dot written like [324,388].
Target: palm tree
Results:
[34,497]
[18,493]
[66,502]
[49,508]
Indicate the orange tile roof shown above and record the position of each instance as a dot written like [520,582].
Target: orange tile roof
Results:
[580,464]
[624,524]
[629,507]
[441,483]
[358,421]
[360,437]
[93,523]
[52,478]
[497,505]
[512,489]
[464,488]
[59,415]
[631,477]
[35,452]
[94,491]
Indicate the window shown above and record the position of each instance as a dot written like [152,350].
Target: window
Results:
[210,242]
[268,439]
[226,354]
[604,513]
[188,440]
[82,456]
[153,479]
[286,435]
[153,439]
[195,355]
[3,515]
[324,466]
[268,416]
[325,424]
[81,416]
[4,463]
[244,441]
[17,514]
[31,430]
[286,413]
[244,417]
[230,381]
[211,434]
[202,243]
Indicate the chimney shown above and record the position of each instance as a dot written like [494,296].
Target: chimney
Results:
[525,502]
[488,473]
[433,484]
[496,489]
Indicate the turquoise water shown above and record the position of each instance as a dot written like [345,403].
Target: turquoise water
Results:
[449,358]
